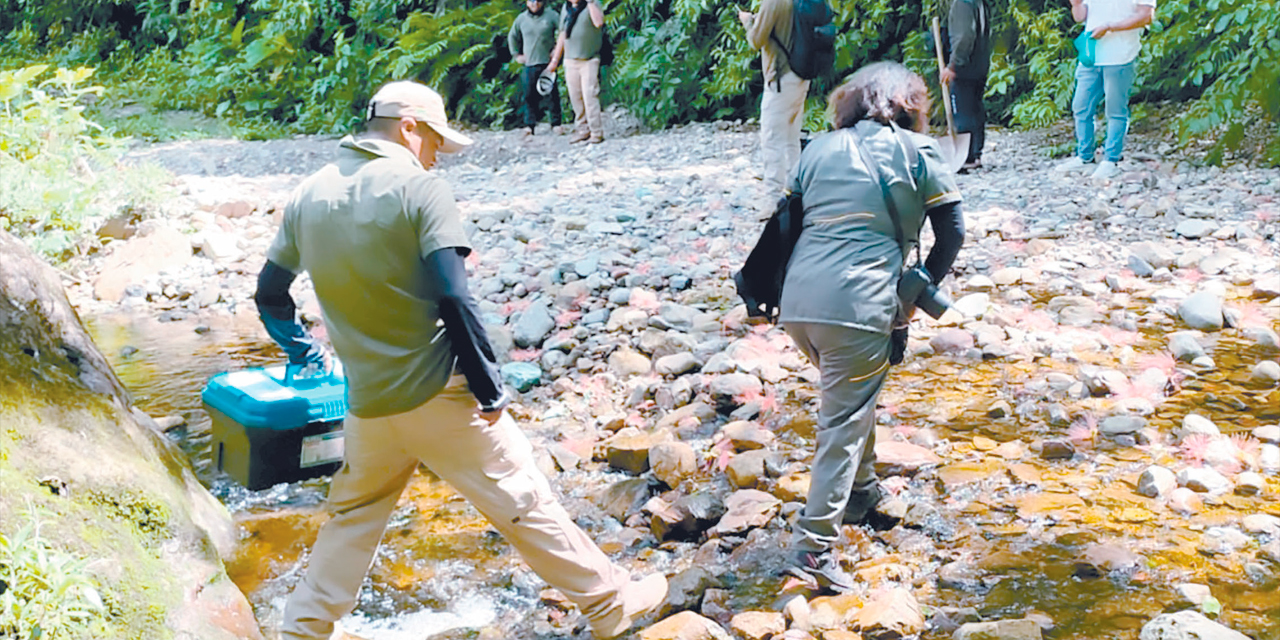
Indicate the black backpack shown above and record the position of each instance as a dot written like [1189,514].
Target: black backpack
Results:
[813,38]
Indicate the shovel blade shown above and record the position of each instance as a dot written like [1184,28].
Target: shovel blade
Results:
[955,150]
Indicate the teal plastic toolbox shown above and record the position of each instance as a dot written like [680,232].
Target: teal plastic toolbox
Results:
[270,428]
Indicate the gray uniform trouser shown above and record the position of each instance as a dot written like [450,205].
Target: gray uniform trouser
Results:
[854,365]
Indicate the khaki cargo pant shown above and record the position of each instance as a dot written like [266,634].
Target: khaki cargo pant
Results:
[583,80]
[492,466]
[781,118]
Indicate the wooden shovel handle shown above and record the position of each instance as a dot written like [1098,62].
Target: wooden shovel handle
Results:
[946,88]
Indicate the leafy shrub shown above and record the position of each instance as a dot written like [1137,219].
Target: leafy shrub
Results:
[45,593]
[312,63]
[60,171]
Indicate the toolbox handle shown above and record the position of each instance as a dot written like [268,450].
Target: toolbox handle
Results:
[290,380]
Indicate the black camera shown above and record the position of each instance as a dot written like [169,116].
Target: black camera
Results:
[916,289]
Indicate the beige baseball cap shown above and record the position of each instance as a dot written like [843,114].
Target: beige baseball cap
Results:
[405,98]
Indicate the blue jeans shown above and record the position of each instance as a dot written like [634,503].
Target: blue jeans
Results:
[1113,83]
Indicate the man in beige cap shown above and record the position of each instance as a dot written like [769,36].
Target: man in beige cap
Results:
[382,239]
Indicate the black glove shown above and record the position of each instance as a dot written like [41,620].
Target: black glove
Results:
[898,344]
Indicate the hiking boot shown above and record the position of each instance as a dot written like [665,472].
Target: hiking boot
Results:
[862,503]
[1106,170]
[639,599]
[582,136]
[1073,164]
[822,570]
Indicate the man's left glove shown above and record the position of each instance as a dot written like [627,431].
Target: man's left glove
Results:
[898,344]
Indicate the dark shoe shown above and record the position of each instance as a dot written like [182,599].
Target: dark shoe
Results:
[822,570]
[862,504]
[971,166]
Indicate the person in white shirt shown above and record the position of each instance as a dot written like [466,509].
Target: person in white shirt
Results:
[1117,26]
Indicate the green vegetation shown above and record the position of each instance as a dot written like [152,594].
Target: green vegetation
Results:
[45,592]
[310,64]
[60,169]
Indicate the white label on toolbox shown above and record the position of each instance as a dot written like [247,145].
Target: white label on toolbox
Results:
[321,449]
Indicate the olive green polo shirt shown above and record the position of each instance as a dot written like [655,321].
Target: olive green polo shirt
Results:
[534,36]
[360,227]
[583,42]
[845,266]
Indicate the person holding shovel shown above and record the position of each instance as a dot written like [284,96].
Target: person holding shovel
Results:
[532,37]
[969,24]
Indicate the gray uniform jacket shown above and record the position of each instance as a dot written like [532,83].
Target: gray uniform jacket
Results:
[846,264]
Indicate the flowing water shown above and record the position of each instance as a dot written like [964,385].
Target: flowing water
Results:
[442,572]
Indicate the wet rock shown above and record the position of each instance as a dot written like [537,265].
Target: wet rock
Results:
[685,625]
[1186,625]
[220,247]
[1156,482]
[747,436]
[1269,434]
[961,576]
[758,625]
[534,325]
[1202,310]
[747,509]
[1261,523]
[1269,458]
[1185,347]
[732,390]
[951,340]
[676,364]
[999,630]
[1250,484]
[687,517]
[672,462]
[972,305]
[747,470]
[630,451]
[1102,559]
[159,248]
[833,612]
[1203,480]
[1114,426]
[1265,373]
[1193,594]
[625,362]
[792,487]
[521,375]
[889,614]
[169,423]
[624,497]
[1156,255]
[894,458]
[1057,449]
[1194,423]
[1194,229]
[1185,501]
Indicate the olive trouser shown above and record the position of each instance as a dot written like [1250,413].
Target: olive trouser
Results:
[853,366]
[491,465]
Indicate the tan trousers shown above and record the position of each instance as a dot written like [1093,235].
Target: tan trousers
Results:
[492,466]
[781,117]
[583,78]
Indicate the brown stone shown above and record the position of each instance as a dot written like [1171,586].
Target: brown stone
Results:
[747,509]
[895,458]
[891,613]
[792,487]
[630,451]
[747,436]
[746,470]
[236,209]
[672,462]
[758,625]
[685,625]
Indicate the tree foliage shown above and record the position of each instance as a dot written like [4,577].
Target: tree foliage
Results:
[312,63]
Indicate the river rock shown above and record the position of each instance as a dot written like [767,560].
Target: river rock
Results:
[685,625]
[1185,501]
[1156,255]
[952,340]
[758,625]
[534,325]
[1268,434]
[623,498]
[220,247]
[1195,423]
[1057,449]
[732,390]
[1193,594]
[1202,310]
[895,458]
[747,509]
[1261,523]
[890,613]
[676,364]
[1185,347]
[1265,373]
[1263,337]
[630,451]
[747,469]
[747,436]
[522,376]
[1194,228]
[1114,426]
[972,305]
[999,630]
[1203,480]
[1187,625]
[672,462]
[625,363]
[1156,482]
[1250,484]
[792,487]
